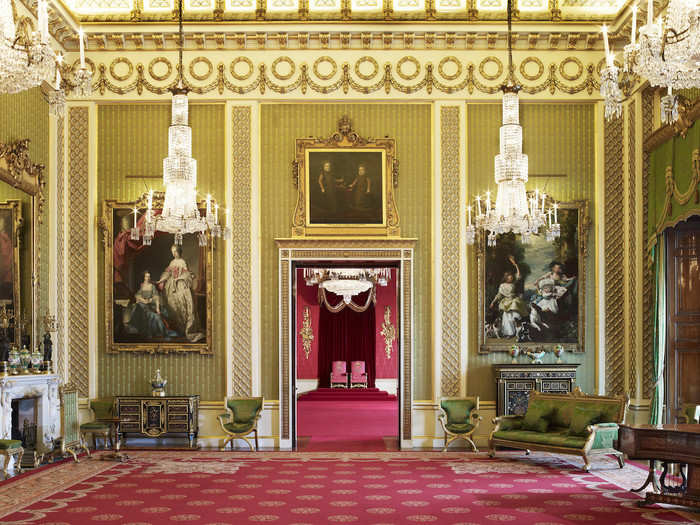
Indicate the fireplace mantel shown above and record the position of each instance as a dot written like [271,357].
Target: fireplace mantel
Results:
[42,386]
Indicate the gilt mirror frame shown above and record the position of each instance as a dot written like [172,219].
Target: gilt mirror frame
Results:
[18,171]
[107,224]
[488,345]
[343,145]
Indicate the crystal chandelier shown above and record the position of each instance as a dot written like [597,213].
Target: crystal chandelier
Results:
[180,213]
[347,282]
[514,210]
[27,60]
[666,52]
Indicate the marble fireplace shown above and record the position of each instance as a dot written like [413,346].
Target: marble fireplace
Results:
[43,387]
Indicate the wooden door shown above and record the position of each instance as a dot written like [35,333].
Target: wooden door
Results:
[683,317]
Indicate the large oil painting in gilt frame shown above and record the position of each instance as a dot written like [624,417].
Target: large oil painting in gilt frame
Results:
[345,185]
[158,297]
[533,294]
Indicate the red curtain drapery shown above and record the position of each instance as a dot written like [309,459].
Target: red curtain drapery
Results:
[346,336]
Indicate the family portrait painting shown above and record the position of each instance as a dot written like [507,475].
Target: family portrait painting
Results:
[160,292]
[533,292]
[345,187]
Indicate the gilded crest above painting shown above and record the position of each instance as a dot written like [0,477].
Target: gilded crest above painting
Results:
[345,185]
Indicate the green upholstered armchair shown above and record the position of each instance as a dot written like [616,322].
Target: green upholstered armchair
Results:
[690,413]
[459,417]
[9,448]
[241,419]
[102,409]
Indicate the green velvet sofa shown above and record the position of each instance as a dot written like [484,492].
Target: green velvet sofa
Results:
[574,423]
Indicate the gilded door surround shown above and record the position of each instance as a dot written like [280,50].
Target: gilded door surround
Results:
[387,251]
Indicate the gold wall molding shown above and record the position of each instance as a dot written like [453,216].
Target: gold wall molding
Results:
[614,258]
[647,274]
[60,354]
[451,288]
[78,234]
[343,75]
[632,246]
[388,332]
[241,223]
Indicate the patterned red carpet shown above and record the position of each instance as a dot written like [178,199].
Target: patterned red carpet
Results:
[327,488]
[351,425]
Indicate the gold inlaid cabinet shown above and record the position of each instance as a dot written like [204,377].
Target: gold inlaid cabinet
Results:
[155,417]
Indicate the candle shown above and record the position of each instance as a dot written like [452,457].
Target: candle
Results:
[634,24]
[208,205]
[555,212]
[216,214]
[135,214]
[82,47]
[478,206]
[469,212]
[58,78]
[488,202]
[543,198]
[43,16]
[605,39]
[549,216]
[650,13]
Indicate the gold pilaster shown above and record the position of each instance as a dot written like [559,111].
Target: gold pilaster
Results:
[78,203]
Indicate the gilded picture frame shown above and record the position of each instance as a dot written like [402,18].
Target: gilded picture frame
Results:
[345,185]
[154,295]
[10,241]
[537,299]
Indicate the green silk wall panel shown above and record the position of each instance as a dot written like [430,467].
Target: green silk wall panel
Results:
[25,115]
[132,141]
[559,140]
[410,125]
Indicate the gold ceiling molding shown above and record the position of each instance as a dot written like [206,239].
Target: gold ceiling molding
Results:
[342,11]
[310,40]
[283,75]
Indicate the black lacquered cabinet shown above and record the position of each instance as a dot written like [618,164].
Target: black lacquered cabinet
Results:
[515,381]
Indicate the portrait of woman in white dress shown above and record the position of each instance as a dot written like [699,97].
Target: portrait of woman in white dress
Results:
[176,284]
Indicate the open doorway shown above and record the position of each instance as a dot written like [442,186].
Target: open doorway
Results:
[346,366]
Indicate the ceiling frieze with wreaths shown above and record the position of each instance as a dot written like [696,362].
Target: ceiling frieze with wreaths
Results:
[390,74]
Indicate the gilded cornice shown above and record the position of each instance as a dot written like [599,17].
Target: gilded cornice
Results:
[345,74]
[443,38]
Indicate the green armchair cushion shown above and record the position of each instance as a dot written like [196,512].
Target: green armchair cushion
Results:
[103,408]
[7,444]
[95,426]
[536,418]
[459,428]
[239,428]
[556,439]
[457,410]
[585,414]
[245,410]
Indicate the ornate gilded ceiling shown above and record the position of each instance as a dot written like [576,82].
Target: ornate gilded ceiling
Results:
[342,10]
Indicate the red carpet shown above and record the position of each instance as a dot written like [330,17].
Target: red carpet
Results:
[346,426]
[155,488]
[347,394]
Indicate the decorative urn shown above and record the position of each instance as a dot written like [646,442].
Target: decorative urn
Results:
[514,353]
[536,357]
[25,359]
[158,385]
[558,352]
[14,361]
[36,359]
